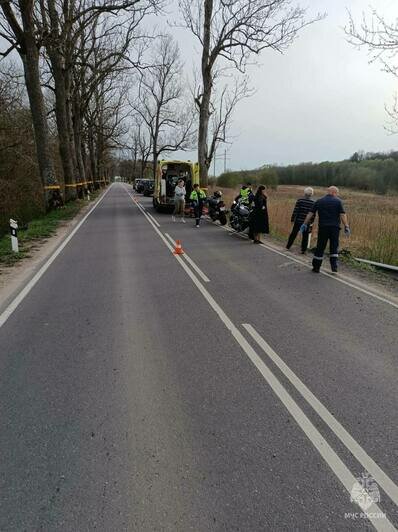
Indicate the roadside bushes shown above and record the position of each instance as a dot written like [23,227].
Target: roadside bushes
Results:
[373,172]
[21,194]
[260,176]
[375,175]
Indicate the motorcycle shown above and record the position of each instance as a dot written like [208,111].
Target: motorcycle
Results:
[240,215]
[217,209]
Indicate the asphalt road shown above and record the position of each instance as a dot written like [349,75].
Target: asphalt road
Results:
[140,392]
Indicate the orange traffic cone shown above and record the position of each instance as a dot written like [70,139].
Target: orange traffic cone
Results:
[178,248]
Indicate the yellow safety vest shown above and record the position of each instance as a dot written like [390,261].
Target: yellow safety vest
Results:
[244,194]
[194,195]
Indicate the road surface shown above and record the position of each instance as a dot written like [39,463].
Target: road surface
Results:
[228,389]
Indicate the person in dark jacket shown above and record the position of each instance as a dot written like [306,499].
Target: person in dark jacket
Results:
[301,209]
[259,216]
[331,213]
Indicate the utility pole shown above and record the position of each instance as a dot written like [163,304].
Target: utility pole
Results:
[215,159]
[218,158]
[225,160]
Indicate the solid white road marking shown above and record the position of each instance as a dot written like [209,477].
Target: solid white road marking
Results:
[191,262]
[355,449]
[325,450]
[153,219]
[185,256]
[28,287]
[339,278]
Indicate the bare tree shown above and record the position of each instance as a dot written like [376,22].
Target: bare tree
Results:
[18,29]
[380,37]
[230,33]
[141,147]
[221,111]
[56,27]
[63,26]
[162,101]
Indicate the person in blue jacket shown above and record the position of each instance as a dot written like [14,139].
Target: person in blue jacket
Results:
[331,214]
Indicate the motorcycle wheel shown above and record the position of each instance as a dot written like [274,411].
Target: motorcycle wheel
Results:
[223,219]
[236,226]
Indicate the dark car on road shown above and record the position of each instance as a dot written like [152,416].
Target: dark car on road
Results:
[148,187]
[144,186]
[139,185]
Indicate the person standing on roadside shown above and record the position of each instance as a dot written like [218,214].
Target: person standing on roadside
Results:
[331,213]
[259,216]
[245,194]
[198,197]
[301,209]
[179,201]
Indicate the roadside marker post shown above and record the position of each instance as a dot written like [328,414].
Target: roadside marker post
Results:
[14,235]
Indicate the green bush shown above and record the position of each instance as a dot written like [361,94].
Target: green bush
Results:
[261,176]
[371,172]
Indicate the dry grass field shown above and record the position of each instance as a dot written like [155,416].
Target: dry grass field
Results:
[373,220]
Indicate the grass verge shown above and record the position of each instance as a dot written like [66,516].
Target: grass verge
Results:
[373,220]
[38,230]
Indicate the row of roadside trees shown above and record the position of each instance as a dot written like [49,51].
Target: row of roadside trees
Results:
[97,79]
[75,57]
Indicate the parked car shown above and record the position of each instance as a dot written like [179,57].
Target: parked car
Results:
[149,185]
[138,185]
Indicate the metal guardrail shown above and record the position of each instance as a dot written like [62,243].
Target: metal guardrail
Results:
[378,264]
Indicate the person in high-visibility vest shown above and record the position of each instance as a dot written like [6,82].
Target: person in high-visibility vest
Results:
[197,198]
[245,194]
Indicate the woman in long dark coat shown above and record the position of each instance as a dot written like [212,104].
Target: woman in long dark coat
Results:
[259,216]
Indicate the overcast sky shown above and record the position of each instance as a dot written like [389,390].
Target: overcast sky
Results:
[321,100]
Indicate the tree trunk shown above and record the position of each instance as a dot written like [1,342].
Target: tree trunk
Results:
[92,156]
[29,52]
[62,125]
[55,49]
[204,115]
[77,133]
[100,158]
[204,112]
[155,162]
[71,132]
[87,165]
[30,61]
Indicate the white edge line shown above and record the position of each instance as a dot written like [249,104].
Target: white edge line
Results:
[191,262]
[325,450]
[28,287]
[153,219]
[356,450]
[185,256]
[334,277]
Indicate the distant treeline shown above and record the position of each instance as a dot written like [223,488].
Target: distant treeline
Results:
[376,172]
